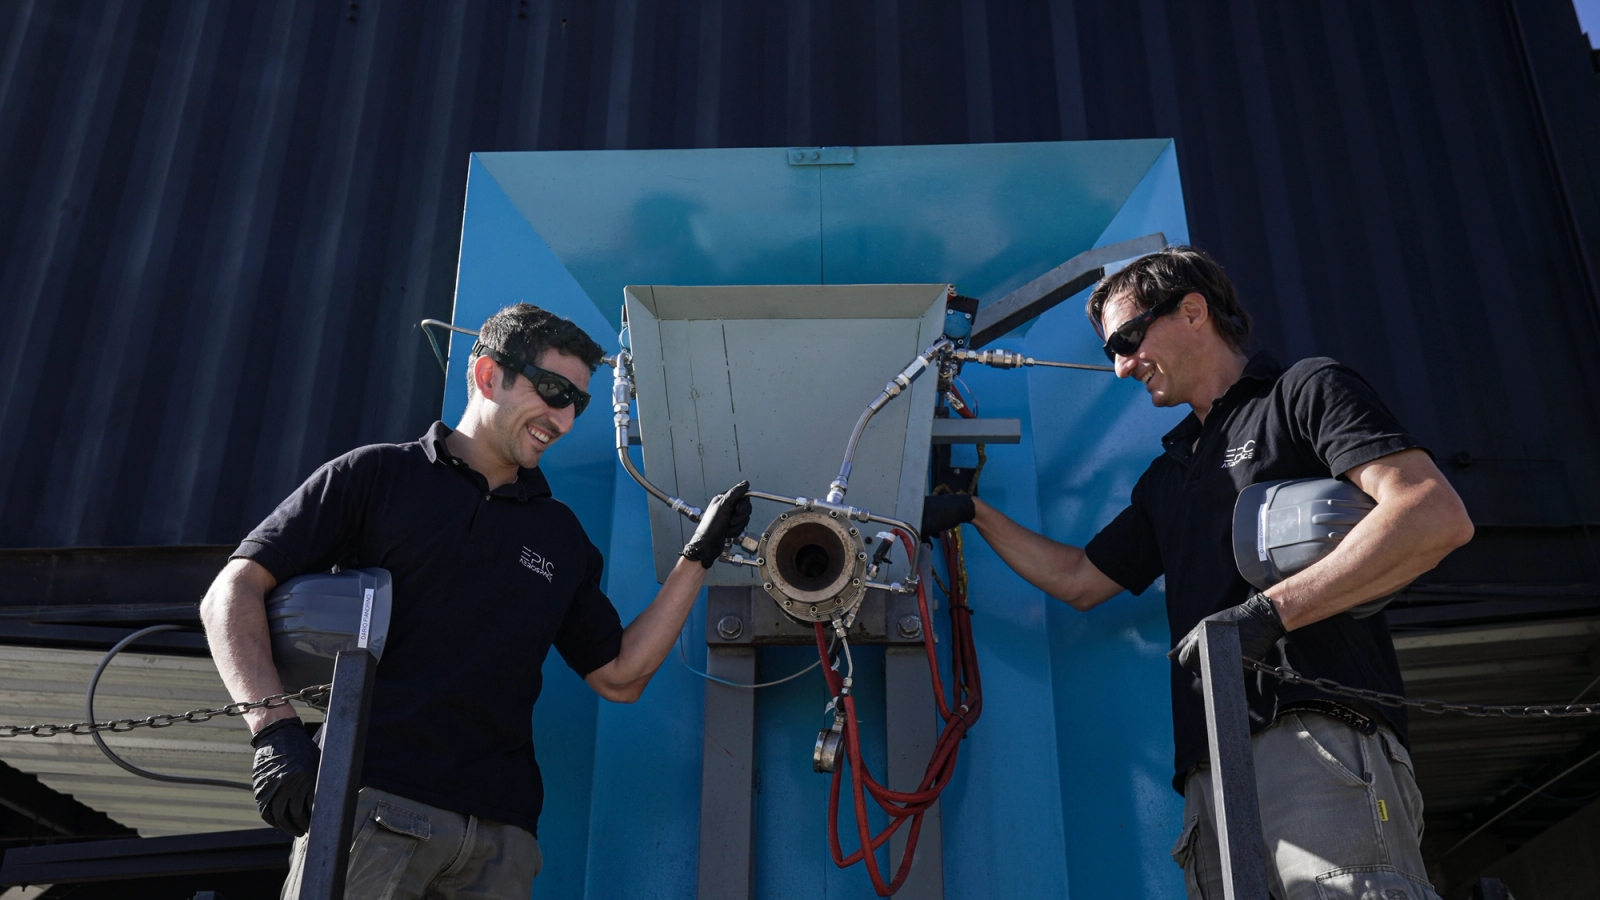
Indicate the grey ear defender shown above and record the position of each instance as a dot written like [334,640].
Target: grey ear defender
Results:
[1282,527]
[312,617]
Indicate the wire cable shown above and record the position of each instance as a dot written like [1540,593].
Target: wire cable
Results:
[88,710]
[683,657]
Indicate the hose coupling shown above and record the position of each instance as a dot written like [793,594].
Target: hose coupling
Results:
[825,756]
[999,359]
[831,505]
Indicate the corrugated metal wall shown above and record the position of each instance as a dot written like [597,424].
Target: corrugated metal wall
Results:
[220,220]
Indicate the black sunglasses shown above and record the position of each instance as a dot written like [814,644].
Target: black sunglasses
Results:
[1129,335]
[556,390]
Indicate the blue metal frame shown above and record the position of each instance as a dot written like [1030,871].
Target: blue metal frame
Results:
[1063,788]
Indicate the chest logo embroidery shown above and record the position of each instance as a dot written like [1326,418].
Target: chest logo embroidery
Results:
[538,565]
[1239,454]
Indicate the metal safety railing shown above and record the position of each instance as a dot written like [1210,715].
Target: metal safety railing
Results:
[1233,772]
[344,741]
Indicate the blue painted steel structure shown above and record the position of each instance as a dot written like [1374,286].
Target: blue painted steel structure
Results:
[1063,786]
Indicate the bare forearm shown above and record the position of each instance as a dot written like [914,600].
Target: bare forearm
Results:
[1060,570]
[1409,533]
[649,638]
[235,618]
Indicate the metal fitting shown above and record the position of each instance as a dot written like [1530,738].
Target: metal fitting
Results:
[730,627]
[825,756]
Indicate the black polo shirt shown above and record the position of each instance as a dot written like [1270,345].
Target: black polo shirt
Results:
[484,583]
[1315,419]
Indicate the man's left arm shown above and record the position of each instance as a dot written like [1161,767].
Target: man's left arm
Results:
[1417,522]
[649,638]
[1419,519]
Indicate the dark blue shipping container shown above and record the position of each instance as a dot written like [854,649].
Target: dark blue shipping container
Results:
[221,221]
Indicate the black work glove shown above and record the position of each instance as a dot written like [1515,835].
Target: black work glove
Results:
[723,521]
[1260,629]
[942,512]
[284,776]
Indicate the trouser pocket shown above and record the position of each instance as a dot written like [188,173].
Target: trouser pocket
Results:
[382,851]
[1372,883]
[1184,848]
[1186,853]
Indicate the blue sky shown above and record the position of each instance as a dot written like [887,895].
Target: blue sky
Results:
[1589,16]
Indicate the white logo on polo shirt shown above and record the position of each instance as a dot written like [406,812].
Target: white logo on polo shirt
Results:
[1239,454]
[538,564]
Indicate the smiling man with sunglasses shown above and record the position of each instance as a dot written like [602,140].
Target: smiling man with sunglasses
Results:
[489,572]
[1339,804]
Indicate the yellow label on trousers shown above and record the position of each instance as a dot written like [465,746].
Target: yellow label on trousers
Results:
[1383,811]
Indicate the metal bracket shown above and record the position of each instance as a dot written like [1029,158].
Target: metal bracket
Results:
[727,775]
[977,431]
[1042,293]
[822,156]
[737,621]
[747,616]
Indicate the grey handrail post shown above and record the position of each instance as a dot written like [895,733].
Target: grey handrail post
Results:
[344,740]
[1233,769]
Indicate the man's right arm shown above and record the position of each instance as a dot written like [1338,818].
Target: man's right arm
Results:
[1060,570]
[234,613]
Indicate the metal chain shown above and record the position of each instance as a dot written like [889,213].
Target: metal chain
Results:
[1438,707]
[117,726]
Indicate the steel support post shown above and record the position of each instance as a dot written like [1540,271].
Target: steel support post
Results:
[1233,770]
[727,775]
[344,740]
[913,730]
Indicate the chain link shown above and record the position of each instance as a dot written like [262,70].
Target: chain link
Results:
[1282,673]
[1438,707]
[163,720]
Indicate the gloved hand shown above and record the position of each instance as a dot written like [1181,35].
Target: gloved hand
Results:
[724,520]
[284,776]
[942,512]
[1260,629]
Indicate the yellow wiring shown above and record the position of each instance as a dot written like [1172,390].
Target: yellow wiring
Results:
[939,581]
[959,576]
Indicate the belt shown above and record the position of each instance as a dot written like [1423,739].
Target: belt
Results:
[1360,722]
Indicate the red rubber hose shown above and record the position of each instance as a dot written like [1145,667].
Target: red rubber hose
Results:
[904,805]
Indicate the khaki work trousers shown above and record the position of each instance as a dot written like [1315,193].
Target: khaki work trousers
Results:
[1340,813]
[405,850]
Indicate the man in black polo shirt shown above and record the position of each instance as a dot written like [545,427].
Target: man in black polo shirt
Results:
[489,571]
[1339,805]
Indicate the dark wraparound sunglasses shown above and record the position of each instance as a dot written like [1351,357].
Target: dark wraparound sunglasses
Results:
[1129,335]
[557,391]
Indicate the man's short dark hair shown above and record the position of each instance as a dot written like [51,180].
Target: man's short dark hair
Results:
[1176,270]
[525,331]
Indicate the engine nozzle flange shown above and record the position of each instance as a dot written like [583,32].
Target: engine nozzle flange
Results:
[813,564]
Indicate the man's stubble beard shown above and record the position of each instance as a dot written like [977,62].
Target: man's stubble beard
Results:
[510,432]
